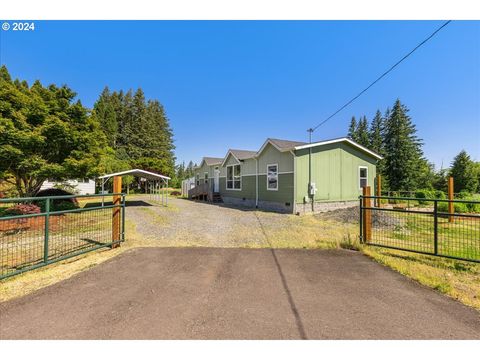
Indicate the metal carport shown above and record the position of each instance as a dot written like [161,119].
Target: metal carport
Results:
[157,184]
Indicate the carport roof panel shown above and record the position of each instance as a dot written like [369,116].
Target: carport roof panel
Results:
[137,172]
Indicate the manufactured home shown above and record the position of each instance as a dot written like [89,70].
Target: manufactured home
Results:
[288,176]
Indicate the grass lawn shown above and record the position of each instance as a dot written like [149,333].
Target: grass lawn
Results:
[460,238]
[458,279]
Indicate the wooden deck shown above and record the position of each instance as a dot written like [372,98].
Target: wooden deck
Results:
[204,192]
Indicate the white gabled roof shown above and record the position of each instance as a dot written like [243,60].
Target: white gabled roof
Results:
[136,172]
[344,139]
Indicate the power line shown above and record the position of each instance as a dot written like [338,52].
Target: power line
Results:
[311,130]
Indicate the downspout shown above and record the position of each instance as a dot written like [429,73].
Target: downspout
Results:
[256,183]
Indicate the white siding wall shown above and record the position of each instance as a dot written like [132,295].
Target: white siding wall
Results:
[82,188]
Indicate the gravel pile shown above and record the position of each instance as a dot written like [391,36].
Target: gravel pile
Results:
[380,219]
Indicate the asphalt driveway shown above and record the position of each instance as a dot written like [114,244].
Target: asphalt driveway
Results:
[211,293]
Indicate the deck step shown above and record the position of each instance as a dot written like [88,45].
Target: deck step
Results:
[217,198]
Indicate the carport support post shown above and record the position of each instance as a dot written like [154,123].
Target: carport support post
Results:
[450,197]
[367,215]
[117,189]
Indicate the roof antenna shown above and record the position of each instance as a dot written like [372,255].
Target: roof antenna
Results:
[310,132]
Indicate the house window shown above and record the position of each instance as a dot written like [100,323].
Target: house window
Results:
[198,179]
[234,179]
[206,177]
[362,176]
[272,177]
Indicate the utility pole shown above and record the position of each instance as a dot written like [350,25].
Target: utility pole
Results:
[310,132]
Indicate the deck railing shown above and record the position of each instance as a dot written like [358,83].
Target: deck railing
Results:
[203,189]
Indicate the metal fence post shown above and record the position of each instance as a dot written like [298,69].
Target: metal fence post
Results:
[435,227]
[47,230]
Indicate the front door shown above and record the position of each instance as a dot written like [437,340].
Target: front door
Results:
[216,181]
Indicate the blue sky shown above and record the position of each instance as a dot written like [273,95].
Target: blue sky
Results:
[232,84]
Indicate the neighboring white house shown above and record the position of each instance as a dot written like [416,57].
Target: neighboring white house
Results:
[81,186]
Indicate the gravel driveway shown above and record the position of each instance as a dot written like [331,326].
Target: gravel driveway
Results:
[189,223]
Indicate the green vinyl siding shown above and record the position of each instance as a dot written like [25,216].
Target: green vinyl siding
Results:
[247,191]
[270,155]
[335,172]
[201,172]
[249,167]
[210,170]
[282,195]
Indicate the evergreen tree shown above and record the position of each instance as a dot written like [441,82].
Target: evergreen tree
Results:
[440,180]
[143,136]
[403,150]
[375,133]
[104,111]
[352,130]
[463,172]
[376,140]
[363,137]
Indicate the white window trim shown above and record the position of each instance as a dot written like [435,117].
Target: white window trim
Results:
[359,177]
[233,174]
[205,176]
[270,189]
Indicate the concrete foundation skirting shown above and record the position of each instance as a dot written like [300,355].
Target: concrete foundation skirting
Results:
[262,204]
[324,206]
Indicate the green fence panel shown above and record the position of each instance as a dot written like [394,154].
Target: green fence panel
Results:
[66,226]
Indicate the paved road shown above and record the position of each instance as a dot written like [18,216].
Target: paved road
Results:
[208,293]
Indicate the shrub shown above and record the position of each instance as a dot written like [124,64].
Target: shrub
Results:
[459,208]
[474,208]
[63,205]
[424,194]
[57,205]
[57,192]
[439,194]
[175,193]
[463,195]
[22,209]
